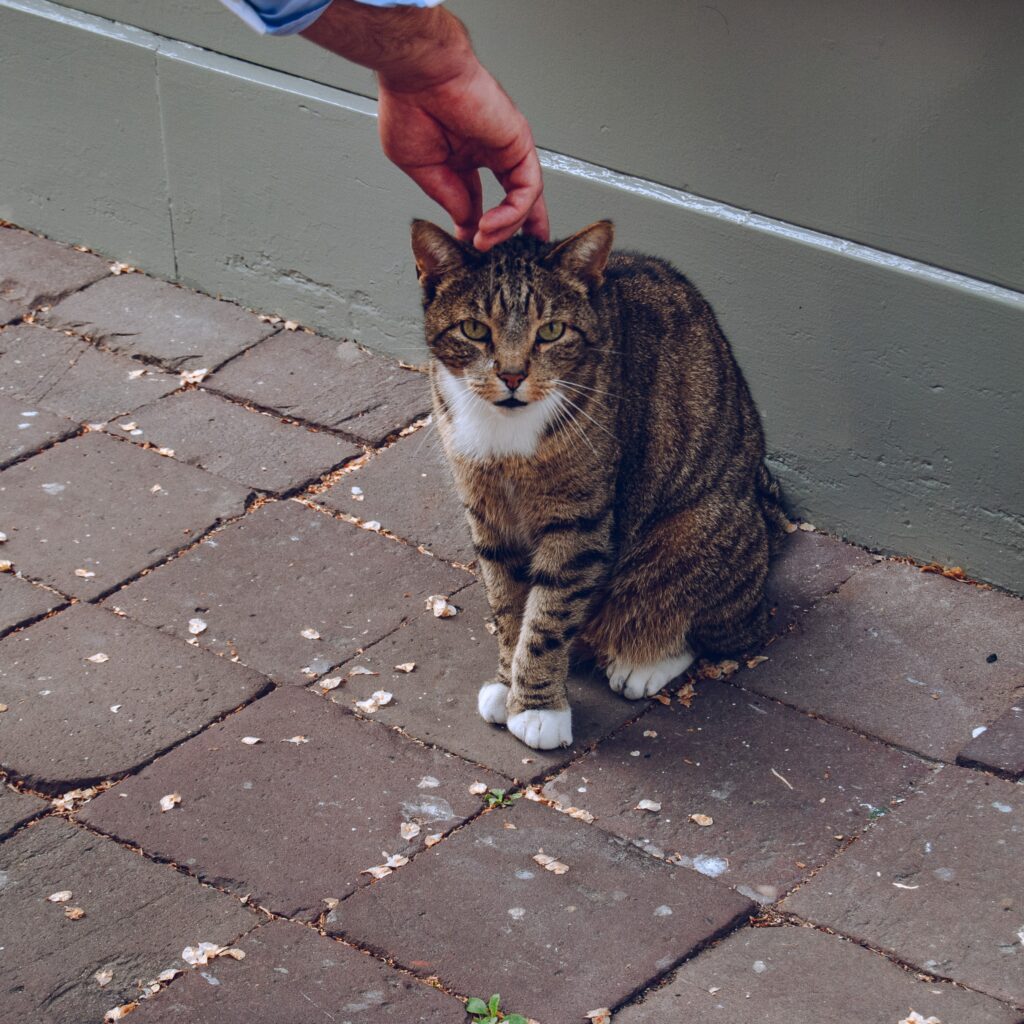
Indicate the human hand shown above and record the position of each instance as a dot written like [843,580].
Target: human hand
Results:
[442,133]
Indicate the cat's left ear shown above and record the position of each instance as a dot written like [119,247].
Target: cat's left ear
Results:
[436,252]
[585,254]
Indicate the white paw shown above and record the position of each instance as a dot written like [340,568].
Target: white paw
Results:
[636,681]
[491,702]
[543,730]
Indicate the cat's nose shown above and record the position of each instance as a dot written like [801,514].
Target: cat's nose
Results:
[512,378]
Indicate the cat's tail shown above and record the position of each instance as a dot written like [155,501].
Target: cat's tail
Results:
[773,507]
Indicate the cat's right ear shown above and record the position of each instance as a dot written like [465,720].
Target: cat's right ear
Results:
[436,252]
[585,254]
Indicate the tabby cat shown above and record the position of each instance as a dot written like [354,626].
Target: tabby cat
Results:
[610,460]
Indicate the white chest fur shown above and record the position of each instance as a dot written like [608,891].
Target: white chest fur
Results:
[480,430]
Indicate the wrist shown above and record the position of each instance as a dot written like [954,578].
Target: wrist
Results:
[435,51]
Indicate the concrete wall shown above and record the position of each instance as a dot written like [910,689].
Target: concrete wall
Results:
[841,179]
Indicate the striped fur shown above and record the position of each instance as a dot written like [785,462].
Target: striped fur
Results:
[626,508]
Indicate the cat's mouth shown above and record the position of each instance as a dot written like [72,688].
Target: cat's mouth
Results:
[511,402]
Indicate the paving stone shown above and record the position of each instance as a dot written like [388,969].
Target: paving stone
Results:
[292,974]
[809,566]
[331,383]
[60,730]
[723,758]
[251,448]
[35,271]
[24,430]
[939,884]
[1001,746]
[21,601]
[15,809]
[292,823]
[302,570]
[793,975]
[408,489]
[902,655]
[178,328]
[66,376]
[106,507]
[138,918]
[436,702]
[481,914]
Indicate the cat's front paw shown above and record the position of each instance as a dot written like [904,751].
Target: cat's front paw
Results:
[491,704]
[637,681]
[543,730]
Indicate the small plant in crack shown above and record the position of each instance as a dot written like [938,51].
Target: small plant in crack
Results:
[491,1012]
[497,798]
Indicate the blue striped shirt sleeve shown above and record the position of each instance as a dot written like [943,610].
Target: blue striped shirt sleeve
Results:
[286,17]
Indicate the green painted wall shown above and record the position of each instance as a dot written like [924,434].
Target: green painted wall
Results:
[891,389]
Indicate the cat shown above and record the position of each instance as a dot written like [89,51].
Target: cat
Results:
[610,460]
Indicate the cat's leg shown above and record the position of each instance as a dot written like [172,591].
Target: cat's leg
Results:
[567,569]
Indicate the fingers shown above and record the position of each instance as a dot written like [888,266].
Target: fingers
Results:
[459,194]
[523,206]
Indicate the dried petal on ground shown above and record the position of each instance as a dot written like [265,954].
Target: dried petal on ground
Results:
[331,683]
[916,1018]
[357,494]
[601,1016]
[3,708]
[409,830]
[650,734]
[74,913]
[234,952]
[686,694]
[85,574]
[116,707]
[6,565]
[169,975]
[549,863]
[103,978]
[199,956]
[406,666]
[119,1012]
[362,670]
[379,871]
[169,801]
[59,897]
[648,805]
[394,860]
[291,325]
[166,452]
[193,376]
[3,537]
[98,658]
[297,739]
[759,659]
[532,794]
[374,702]
[372,525]
[491,627]
[251,741]
[196,626]
[807,527]
[441,606]
[433,839]
[478,788]
[702,819]
[575,812]
[310,634]
[129,427]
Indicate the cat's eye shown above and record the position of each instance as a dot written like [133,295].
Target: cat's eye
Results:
[551,331]
[474,330]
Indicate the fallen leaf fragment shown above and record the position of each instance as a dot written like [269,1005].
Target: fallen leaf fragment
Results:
[648,805]
[331,683]
[807,527]
[362,670]
[600,1016]
[702,819]
[900,885]
[297,739]
[406,666]
[250,741]
[3,537]
[532,794]
[196,626]
[291,325]
[119,1012]
[169,801]
[759,659]
[85,574]
[310,634]
[916,1018]
[169,975]
[409,830]
[74,913]
[331,902]
[372,525]
[379,871]
[3,708]
[433,839]
[6,565]
[199,956]
[649,734]
[136,374]
[549,863]
[686,693]
[782,778]
[62,896]
[116,707]
[374,702]
[575,812]
[491,627]
[193,376]
[99,658]
[478,788]
[234,952]
[394,860]
[441,606]
[103,978]
[166,452]
[128,427]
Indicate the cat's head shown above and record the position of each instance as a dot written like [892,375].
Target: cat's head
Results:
[513,322]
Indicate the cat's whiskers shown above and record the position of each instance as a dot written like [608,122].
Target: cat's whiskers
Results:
[583,412]
[577,385]
[563,418]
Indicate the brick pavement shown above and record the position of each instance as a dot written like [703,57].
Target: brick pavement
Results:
[205,579]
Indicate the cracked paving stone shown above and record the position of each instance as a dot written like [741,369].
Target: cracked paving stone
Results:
[60,730]
[105,507]
[69,377]
[517,928]
[1000,747]
[291,823]
[292,974]
[16,809]
[251,448]
[809,566]
[901,655]
[21,601]
[138,918]
[24,430]
[437,701]
[939,884]
[35,271]
[154,320]
[330,383]
[303,570]
[408,489]
[722,758]
[794,975]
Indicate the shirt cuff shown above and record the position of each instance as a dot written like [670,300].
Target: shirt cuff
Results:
[288,17]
